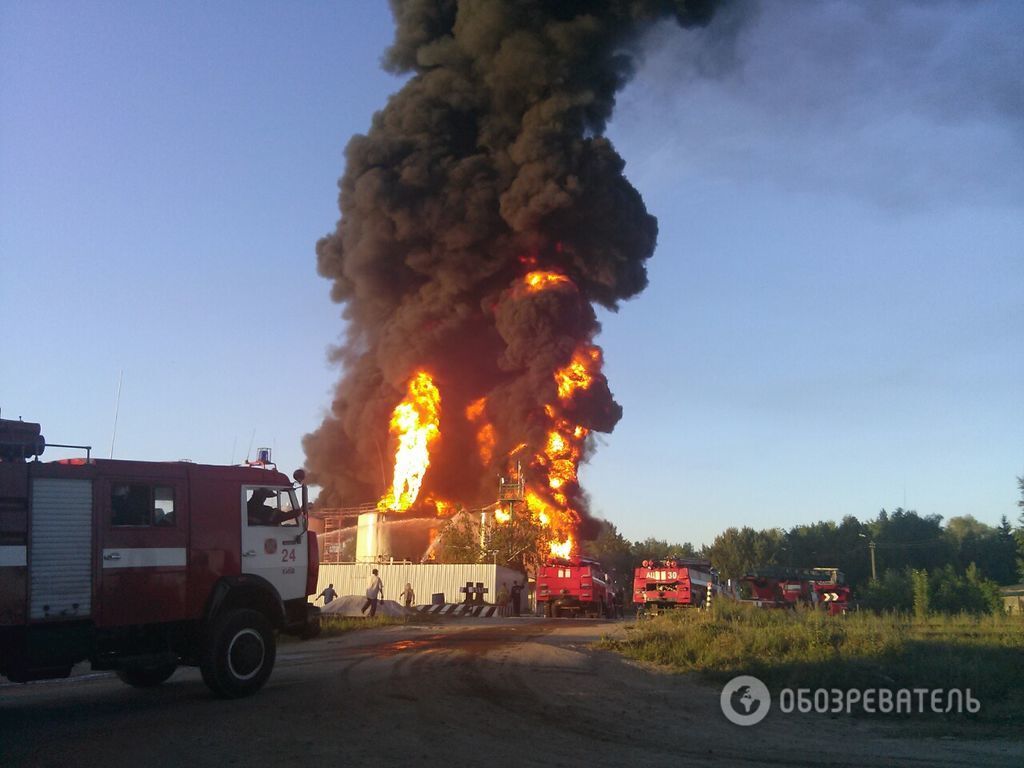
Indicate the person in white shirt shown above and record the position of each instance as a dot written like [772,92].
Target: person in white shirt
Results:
[408,595]
[374,591]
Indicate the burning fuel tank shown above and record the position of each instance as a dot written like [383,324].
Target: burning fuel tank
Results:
[377,536]
[373,537]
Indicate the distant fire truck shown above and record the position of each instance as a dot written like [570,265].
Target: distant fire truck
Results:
[660,585]
[139,567]
[574,588]
[779,587]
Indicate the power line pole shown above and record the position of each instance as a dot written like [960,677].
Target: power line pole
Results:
[871,546]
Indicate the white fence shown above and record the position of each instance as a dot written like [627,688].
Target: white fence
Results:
[427,579]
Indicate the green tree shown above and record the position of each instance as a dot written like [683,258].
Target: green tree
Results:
[1003,565]
[521,543]
[905,539]
[613,551]
[1020,531]
[658,549]
[922,598]
[992,549]
[737,550]
[892,591]
[970,592]
[459,541]
[943,590]
[826,544]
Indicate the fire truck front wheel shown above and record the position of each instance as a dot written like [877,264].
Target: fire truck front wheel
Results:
[239,653]
[146,676]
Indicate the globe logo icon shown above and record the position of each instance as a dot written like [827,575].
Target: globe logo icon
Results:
[745,700]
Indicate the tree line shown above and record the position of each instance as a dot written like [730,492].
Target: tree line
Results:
[963,562]
[957,566]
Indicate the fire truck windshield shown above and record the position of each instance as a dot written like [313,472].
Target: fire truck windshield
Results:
[745,590]
[272,506]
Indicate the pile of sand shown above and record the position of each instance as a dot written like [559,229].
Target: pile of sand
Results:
[350,605]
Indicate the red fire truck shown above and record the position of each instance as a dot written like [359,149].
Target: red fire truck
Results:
[660,585]
[577,588]
[139,567]
[779,587]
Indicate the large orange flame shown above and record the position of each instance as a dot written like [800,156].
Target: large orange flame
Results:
[552,493]
[485,436]
[579,373]
[562,549]
[552,469]
[539,281]
[415,423]
[558,461]
[443,507]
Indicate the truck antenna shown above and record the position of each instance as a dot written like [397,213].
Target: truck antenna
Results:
[117,408]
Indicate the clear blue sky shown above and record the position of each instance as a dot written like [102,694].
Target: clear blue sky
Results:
[835,320]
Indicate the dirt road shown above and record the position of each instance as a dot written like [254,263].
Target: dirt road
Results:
[526,692]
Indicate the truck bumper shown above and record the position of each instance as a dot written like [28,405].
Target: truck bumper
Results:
[303,621]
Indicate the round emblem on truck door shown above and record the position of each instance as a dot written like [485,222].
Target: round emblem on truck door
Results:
[270,546]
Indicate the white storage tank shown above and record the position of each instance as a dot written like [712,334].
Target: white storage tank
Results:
[372,539]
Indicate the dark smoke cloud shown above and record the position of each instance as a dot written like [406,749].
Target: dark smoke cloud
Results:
[489,163]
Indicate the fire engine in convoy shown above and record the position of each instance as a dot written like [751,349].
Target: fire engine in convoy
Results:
[660,585]
[574,588]
[139,567]
[778,587]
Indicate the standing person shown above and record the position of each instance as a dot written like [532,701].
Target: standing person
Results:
[502,599]
[374,591]
[407,595]
[515,592]
[328,595]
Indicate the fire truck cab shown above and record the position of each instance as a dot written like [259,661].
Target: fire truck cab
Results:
[139,567]
[577,588]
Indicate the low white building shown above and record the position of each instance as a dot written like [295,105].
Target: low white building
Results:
[427,579]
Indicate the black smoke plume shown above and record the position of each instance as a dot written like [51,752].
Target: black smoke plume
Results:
[488,164]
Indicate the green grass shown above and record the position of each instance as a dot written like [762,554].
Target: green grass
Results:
[807,649]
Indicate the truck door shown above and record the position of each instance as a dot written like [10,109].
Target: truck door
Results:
[143,549]
[272,542]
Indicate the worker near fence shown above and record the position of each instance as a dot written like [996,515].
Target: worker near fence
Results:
[515,594]
[407,595]
[374,591]
[328,595]
[502,599]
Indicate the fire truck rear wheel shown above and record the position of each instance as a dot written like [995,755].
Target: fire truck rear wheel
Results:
[146,677]
[239,654]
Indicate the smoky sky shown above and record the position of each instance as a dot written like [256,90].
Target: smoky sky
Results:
[489,163]
[905,105]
